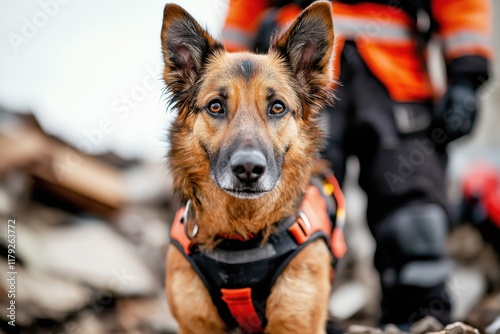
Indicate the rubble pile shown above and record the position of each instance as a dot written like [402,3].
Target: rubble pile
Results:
[91,236]
[427,325]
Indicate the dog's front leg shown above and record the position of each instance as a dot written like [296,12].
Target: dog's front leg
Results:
[188,298]
[299,300]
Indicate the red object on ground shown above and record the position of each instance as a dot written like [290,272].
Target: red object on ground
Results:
[482,183]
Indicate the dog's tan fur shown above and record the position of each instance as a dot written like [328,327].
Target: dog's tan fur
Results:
[297,71]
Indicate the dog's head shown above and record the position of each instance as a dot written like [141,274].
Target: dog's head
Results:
[246,123]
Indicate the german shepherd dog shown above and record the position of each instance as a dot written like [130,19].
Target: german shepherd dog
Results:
[244,145]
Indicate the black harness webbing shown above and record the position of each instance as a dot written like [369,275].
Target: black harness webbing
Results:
[253,266]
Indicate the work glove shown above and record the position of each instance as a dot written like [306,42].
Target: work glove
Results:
[456,113]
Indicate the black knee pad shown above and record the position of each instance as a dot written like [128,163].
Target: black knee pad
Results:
[411,247]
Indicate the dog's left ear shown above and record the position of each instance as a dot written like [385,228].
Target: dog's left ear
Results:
[185,46]
[308,45]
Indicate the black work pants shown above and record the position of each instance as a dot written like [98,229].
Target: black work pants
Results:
[400,166]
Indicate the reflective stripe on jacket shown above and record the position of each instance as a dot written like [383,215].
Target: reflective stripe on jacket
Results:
[464,27]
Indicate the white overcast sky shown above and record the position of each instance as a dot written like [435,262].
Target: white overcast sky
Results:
[81,65]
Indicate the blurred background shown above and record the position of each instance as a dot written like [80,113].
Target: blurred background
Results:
[83,123]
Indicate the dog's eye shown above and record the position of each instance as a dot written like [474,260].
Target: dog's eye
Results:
[215,107]
[277,108]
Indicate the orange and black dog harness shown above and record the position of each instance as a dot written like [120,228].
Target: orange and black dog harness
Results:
[239,274]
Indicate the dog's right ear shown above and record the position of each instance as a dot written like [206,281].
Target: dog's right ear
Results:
[185,46]
[307,46]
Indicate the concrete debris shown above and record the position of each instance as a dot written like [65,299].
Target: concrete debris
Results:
[486,312]
[149,232]
[136,315]
[91,236]
[426,325]
[89,251]
[348,299]
[466,244]
[60,173]
[360,329]
[89,322]
[45,296]
[392,329]
[494,327]
[458,328]
[157,187]
[478,262]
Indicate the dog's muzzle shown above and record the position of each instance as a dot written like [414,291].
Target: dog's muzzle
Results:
[246,173]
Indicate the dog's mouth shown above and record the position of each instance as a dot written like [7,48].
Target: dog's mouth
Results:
[246,193]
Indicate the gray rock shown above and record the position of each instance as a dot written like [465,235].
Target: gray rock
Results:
[426,325]
[135,314]
[91,252]
[44,296]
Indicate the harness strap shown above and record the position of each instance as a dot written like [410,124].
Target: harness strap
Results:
[240,304]
[337,240]
[178,233]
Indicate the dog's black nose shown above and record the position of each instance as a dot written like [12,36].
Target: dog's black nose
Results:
[248,166]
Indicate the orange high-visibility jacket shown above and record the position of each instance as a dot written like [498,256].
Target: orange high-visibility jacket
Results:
[386,36]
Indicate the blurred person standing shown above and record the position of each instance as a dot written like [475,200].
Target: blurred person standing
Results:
[385,115]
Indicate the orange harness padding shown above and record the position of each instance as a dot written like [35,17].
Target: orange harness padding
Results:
[239,274]
[315,211]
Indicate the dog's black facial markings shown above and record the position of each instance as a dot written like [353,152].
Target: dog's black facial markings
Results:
[196,109]
[270,94]
[223,93]
[245,68]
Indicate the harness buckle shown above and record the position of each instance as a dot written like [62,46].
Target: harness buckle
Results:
[301,232]
[185,220]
